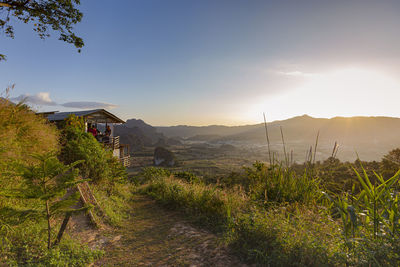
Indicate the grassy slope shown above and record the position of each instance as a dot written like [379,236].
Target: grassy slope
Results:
[292,235]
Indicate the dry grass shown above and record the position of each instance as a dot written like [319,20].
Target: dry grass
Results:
[22,134]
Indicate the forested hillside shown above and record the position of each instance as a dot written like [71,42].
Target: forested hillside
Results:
[40,169]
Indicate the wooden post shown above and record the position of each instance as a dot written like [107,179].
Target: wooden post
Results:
[62,228]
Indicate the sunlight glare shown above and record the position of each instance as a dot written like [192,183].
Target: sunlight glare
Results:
[346,92]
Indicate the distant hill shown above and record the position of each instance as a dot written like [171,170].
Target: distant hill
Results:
[137,134]
[370,137]
[185,131]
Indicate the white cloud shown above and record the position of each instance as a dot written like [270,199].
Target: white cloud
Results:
[298,74]
[88,105]
[43,99]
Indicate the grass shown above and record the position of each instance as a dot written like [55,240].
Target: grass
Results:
[293,226]
[116,204]
[155,236]
[277,237]
[22,134]
[22,237]
[210,206]
[25,245]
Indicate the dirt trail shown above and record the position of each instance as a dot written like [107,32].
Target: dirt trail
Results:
[154,236]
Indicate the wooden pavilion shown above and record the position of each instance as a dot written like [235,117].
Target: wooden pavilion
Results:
[97,118]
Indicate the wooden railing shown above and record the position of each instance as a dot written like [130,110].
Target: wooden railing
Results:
[126,161]
[115,142]
[110,142]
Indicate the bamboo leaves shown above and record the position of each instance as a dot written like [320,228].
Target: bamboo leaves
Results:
[374,212]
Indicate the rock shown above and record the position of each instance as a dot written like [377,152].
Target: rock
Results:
[164,157]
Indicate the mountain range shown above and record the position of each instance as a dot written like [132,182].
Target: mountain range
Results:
[370,137]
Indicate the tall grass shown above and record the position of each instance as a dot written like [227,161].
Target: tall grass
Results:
[278,184]
[277,218]
[209,205]
[371,220]
[282,235]
[22,133]
[287,236]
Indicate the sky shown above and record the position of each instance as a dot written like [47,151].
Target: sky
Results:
[173,62]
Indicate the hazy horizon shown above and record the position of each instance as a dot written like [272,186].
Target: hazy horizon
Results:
[215,62]
[268,121]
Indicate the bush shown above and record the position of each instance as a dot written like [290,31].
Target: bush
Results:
[99,164]
[150,173]
[26,245]
[188,177]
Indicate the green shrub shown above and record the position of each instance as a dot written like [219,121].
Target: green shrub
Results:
[188,177]
[114,205]
[208,205]
[150,173]
[278,237]
[99,164]
[371,216]
[280,185]
[25,245]
[47,183]
[380,252]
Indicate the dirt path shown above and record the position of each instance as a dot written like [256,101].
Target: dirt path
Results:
[154,236]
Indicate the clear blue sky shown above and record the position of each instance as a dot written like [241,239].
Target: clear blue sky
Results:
[217,62]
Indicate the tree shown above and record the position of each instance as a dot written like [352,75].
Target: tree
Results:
[391,163]
[57,15]
[99,163]
[49,182]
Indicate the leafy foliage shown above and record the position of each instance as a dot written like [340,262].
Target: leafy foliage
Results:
[25,245]
[34,193]
[150,173]
[73,121]
[282,218]
[188,177]
[48,182]
[57,15]
[391,163]
[371,216]
[99,164]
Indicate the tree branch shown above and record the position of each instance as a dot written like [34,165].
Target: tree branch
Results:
[5,5]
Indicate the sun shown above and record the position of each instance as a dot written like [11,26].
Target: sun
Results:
[343,92]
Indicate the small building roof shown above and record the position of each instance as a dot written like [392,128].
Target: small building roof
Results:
[94,115]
